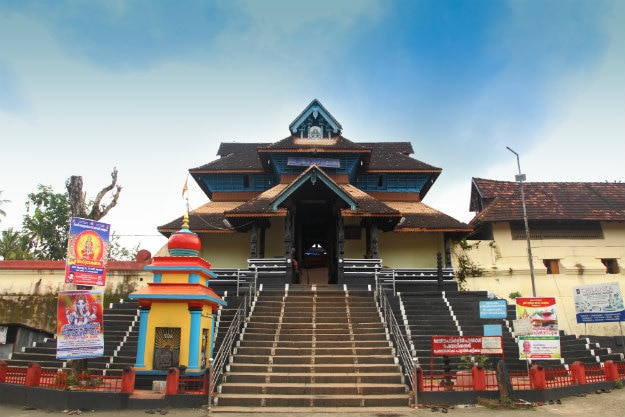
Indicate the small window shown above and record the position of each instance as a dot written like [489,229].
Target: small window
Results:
[246,181]
[380,181]
[611,266]
[552,265]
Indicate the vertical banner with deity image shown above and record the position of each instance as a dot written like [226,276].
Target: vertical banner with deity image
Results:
[543,341]
[79,330]
[87,252]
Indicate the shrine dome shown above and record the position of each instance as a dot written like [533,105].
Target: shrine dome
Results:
[184,242]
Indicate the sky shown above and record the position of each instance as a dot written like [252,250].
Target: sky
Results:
[152,87]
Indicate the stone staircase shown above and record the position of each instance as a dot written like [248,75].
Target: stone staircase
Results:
[313,348]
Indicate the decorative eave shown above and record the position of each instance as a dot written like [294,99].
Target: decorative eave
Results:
[315,105]
[177,292]
[314,173]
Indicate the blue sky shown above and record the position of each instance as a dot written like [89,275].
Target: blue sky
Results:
[153,87]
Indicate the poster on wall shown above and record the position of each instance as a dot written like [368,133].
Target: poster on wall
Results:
[599,303]
[79,330]
[87,252]
[542,341]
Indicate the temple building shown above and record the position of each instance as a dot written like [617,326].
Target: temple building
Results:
[316,199]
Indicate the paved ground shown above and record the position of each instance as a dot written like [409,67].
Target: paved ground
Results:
[610,404]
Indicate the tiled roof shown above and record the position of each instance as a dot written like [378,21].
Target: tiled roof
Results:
[260,205]
[388,157]
[207,218]
[420,217]
[294,143]
[227,148]
[236,157]
[582,201]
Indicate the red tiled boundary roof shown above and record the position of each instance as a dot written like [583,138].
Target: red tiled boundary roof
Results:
[60,265]
[581,201]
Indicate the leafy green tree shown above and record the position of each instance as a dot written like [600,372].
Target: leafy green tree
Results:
[14,245]
[46,223]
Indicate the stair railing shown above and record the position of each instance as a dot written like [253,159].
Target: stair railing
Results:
[218,363]
[398,338]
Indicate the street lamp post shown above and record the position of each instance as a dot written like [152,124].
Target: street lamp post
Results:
[520,178]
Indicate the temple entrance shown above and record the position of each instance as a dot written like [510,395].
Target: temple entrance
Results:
[315,236]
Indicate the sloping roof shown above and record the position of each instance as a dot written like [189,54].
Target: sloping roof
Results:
[262,204]
[294,144]
[207,218]
[234,157]
[227,148]
[581,201]
[420,217]
[178,292]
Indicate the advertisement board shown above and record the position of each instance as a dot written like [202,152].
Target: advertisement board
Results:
[598,303]
[79,332]
[87,252]
[542,341]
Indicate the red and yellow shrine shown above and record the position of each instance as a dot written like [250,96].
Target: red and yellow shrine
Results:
[178,309]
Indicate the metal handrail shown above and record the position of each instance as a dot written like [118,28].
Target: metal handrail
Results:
[218,363]
[398,338]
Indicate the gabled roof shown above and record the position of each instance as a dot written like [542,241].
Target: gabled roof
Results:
[580,201]
[313,173]
[315,106]
[267,203]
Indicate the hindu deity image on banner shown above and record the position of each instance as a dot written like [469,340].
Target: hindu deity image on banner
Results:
[79,330]
[87,252]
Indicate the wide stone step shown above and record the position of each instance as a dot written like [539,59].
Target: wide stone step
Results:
[317,368]
[308,351]
[308,401]
[316,359]
[308,344]
[309,378]
[314,389]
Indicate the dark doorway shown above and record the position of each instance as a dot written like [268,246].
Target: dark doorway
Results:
[315,227]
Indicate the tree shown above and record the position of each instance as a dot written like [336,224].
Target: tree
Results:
[14,245]
[93,210]
[46,223]
[48,214]
[80,208]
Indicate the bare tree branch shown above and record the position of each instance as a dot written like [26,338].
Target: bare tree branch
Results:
[77,198]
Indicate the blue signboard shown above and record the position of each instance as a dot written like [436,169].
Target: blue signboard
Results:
[493,309]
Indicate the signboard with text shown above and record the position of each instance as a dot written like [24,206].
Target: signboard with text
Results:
[493,309]
[87,252]
[542,341]
[79,332]
[599,303]
[466,345]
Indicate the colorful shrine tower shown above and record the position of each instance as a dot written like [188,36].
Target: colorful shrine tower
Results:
[178,309]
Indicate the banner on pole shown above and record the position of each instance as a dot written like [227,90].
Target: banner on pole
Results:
[87,252]
[79,330]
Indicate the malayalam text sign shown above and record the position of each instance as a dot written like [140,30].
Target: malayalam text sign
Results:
[465,345]
[543,341]
[493,309]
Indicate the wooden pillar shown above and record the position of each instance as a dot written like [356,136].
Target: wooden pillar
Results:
[254,241]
